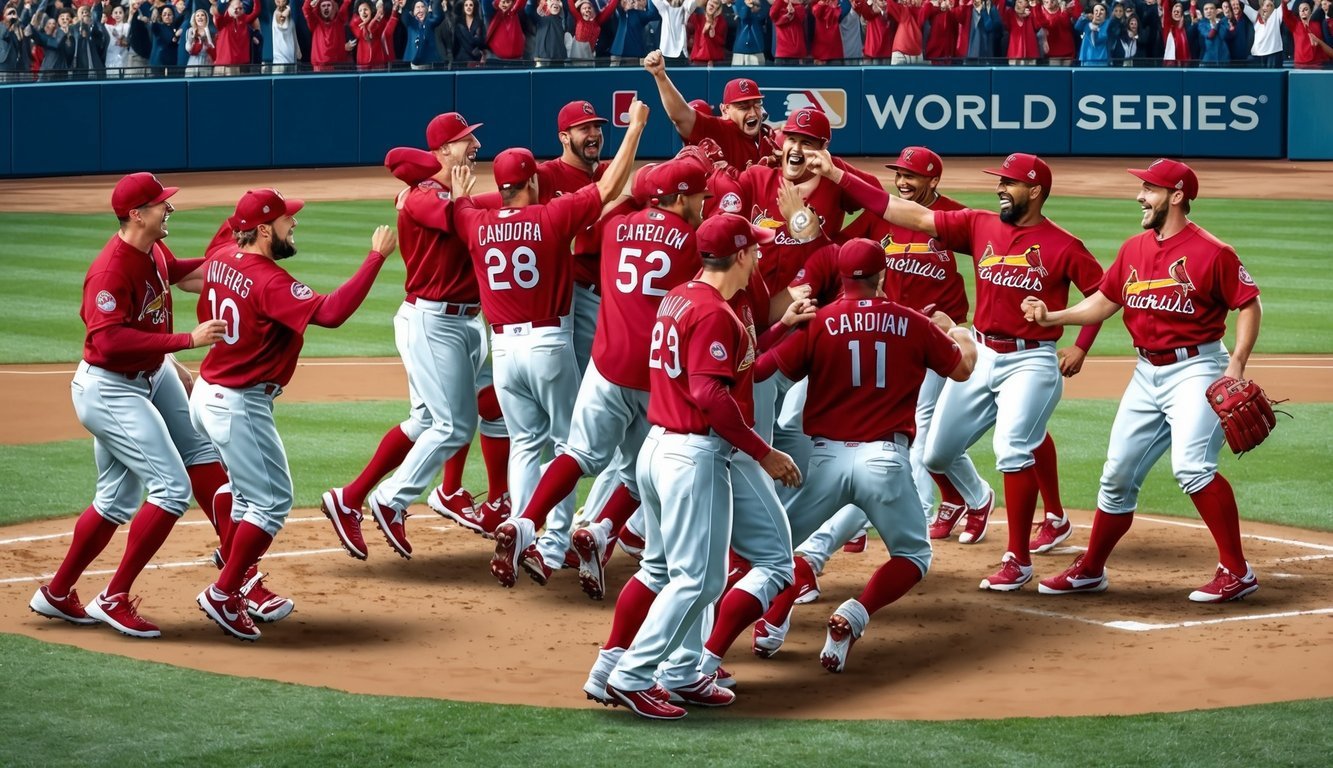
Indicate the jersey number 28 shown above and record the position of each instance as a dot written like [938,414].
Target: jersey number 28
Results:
[521,266]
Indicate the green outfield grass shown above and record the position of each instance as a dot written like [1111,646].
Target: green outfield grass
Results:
[124,712]
[46,255]
[1274,484]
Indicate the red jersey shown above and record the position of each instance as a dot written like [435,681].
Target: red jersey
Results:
[1177,292]
[644,254]
[266,311]
[921,271]
[556,178]
[821,274]
[438,268]
[696,333]
[725,187]
[780,261]
[739,149]
[751,308]
[125,286]
[865,359]
[522,255]
[1015,262]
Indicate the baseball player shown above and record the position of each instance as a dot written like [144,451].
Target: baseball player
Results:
[522,250]
[866,357]
[265,312]
[1017,381]
[700,366]
[645,253]
[442,341]
[740,131]
[134,404]
[1176,283]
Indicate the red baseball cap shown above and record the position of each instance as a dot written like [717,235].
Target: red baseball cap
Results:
[860,257]
[513,167]
[411,165]
[918,161]
[809,121]
[1171,174]
[728,234]
[678,177]
[1028,169]
[138,190]
[577,113]
[262,206]
[639,188]
[741,89]
[448,127]
[701,106]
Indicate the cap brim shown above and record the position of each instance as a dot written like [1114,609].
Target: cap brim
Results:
[162,196]
[763,236]
[294,206]
[913,171]
[1000,172]
[463,134]
[807,134]
[760,97]
[585,121]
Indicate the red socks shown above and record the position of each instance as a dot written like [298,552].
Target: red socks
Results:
[1048,477]
[1107,530]
[620,507]
[92,533]
[248,544]
[148,531]
[206,480]
[495,451]
[488,404]
[392,450]
[738,610]
[1020,504]
[562,475]
[780,608]
[631,609]
[1217,506]
[453,470]
[948,493]
[891,581]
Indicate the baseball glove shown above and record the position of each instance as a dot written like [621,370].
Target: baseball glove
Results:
[1245,411]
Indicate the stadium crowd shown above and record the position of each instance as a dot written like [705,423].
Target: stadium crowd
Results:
[58,39]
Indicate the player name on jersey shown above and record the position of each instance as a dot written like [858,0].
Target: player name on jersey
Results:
[508,231]
[229,277]
[906,266]
[673,307]
[872,320]
[672,237]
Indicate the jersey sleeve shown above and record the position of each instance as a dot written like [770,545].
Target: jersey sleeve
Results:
[108,300]
[712,344]
[942,353]
[1114,278]
[288,301]
[954,229]
[706,127]
[571,214]
[820,272]
[1234,284]
[427,208]
[792,354]
[1085,272]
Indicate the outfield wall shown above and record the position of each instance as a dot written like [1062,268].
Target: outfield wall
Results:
[112,126]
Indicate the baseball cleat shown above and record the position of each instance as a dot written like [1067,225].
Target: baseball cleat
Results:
[263,604]
[945,520]
[229,612]
[453,505]
[68,608]
[1226,586]
[393,524]
[974,531]
[856,545]
[121,613]
[346,522]
[492,513]
[1073,579]
[645,703]
[704,692]
[512,539]
[768,638]
[724,678]
[1011,576]
[590,545]
[837,644]
[535,566]
[1050,533]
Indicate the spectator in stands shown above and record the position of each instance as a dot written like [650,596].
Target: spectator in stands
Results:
[1131,42]
[751,34]
[445,44]
[979,30]
[708,31]
[504,31]
[1094,50]
[908,16]
[12,41]
[588,23]
[1308,46]
[165,31]
[421,52]
[200,45]
[628,46]
[1022,29]
[1057,18]
[850,27]
[118,39]
[51,35]
[1324,15]
[282,33]
[1213,31]
[329,45]
[548,38]
[1242,31]
[789,18]
[942,39]
[469,32]
[372,29]
[233,37]
[826,42]
[1267,47]
[673,39]
[90,40]
[1175,36]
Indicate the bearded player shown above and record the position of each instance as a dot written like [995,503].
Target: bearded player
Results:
[1176,283]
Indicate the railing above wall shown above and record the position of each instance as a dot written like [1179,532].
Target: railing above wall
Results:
[174,124]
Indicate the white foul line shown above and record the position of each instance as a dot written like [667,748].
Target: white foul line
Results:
[1142,626]
[49,536]
[181,564]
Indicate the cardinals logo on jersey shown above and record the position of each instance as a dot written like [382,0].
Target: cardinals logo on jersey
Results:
[1023,270]
[760,218]
[929,248]
[154,305]
[1165,294]
[921,259]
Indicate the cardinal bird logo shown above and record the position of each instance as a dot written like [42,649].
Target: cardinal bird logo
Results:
[154,305]
[1179,279]
[1031,259]
[929,248]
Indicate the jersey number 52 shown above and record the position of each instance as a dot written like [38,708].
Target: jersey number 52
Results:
[633,264]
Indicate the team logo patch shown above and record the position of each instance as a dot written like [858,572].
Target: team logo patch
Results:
[107,303]
[731,203]
[718,351]
[1244,276]
[800,273]
[301,291]
[656,216]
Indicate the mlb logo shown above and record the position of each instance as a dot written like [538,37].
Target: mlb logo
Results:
[620,103]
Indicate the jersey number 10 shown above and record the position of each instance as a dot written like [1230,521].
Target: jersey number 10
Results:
[228,312]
